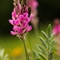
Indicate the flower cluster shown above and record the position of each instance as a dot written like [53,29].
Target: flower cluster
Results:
[56,28]
[33,4]
[20,20]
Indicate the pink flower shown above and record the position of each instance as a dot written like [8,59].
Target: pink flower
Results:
[20,21]
[21,17]
[33,4]
[15,28]
[16,22]
[28,28]
[13,15]
[20,30]
[11,22]
[56,29]
[24,24]
[13,33]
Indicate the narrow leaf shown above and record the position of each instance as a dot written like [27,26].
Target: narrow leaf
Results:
[49,30]
[52,36]
[43,42]
[42,55]
[43,49]
[50,56]
[45,35]
[50,50]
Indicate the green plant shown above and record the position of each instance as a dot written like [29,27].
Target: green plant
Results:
[46,46]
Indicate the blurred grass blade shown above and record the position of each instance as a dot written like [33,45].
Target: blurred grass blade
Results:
[5,57]
[2,53]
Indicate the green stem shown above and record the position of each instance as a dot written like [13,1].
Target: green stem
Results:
[31,47]
[27,57]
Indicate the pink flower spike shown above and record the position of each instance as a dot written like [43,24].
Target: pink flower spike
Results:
[28,20]
[25,14]
[35,4]
[31,16]
[13,33]
[24,24]
[11,22]
[56,29]
[20,30]
[15,28]
[14,14]
[26,9]
[29,28]
[16,22]
[21,17]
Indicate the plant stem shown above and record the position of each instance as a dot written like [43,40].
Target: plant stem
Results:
[31,47]
[27,57]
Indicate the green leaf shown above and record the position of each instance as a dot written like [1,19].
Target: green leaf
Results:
[43,49]
[43,42]
[35,54]
[51,45]
[50,57]
[45,35]
[52,36]
[49,30]
[47,45]
[43,56]
[38,58]
[51,42]
[50,50]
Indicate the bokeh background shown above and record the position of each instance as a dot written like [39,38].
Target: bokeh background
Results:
[48,10]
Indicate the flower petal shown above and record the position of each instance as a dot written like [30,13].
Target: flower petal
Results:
[31,16]
[25,14]
[21,17]
[13,33]
[29,28]
[15,28]
[16,22]
[20,30]
[11,22]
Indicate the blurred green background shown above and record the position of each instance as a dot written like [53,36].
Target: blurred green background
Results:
[47,11]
